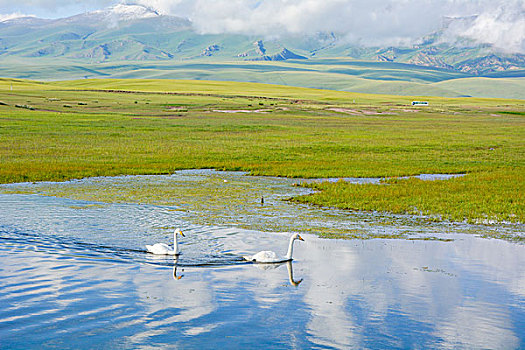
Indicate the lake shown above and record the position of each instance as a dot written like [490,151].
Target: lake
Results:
[74,272]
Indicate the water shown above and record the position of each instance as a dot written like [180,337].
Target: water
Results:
[74,274]
[232,199]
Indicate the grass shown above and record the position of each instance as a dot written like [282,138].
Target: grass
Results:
[109,127]
[342,74]
[477,198]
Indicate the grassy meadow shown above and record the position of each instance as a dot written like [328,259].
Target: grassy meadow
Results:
[66,130]
[342,74]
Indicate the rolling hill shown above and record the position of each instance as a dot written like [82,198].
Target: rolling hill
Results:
[131,41]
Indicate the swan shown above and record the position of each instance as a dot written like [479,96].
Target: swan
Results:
[164,249]
[270,257]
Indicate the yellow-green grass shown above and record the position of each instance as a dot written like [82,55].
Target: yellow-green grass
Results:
[484,197]
[65,130]
[341,73]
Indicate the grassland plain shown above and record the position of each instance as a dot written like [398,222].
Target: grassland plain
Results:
[65,130]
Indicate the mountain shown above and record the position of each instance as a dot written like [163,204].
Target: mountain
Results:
[135,32]
[137,41]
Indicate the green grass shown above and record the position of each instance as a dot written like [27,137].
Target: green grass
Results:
[342,74]
[477,198]
[108,127]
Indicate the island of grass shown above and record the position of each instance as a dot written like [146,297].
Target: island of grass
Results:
[85,128]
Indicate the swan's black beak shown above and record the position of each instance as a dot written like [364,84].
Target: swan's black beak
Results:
[300,238]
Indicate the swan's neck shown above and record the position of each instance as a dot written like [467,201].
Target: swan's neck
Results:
[290,249]
[175,243]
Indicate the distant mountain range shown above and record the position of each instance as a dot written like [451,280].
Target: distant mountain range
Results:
[137,33]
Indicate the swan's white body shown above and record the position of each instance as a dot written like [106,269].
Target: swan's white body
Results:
[269,257]
[164,249]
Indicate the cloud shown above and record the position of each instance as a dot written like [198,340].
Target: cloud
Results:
[14,15]
[502,26]
[367,22]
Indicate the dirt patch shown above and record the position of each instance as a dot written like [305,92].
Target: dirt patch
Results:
[242,110]
[359,112]
[346,110]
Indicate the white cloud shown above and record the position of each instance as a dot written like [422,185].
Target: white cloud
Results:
[7,17]
[502,26]
[370,22]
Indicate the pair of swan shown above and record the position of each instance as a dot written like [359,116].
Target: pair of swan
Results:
[264,257]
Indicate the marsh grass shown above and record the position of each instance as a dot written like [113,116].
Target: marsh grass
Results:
[129,127]
[486,197]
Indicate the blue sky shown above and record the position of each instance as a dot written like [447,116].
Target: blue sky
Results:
[51,9]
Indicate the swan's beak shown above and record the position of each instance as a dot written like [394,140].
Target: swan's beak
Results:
[182,234]
[300,238]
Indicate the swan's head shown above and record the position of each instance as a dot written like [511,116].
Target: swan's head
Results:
[297,236]
[178,231]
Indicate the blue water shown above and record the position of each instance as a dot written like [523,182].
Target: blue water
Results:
[76,275]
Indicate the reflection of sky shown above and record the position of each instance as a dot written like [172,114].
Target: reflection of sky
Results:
[363,294]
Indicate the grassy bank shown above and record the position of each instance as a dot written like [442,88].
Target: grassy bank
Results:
[64,130]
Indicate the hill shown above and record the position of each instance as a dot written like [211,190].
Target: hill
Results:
[133,41]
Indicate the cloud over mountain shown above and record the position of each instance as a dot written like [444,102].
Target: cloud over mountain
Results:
[366,22]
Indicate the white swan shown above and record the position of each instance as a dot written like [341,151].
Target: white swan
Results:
[164,249]
[270,257]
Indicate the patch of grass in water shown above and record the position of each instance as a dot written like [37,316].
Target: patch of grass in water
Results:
[506,237]
[498,196]
[87,206]
[430,239]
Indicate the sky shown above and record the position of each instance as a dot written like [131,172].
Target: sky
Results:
[367,22]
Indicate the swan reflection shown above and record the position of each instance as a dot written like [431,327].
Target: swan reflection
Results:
[175,277]
[167,260]
[290,275]
[274,266]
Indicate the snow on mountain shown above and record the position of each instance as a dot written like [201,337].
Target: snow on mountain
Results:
[19,19]
[128,12]
[11,16]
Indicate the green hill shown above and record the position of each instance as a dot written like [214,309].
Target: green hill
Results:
[103,45]
[333,74]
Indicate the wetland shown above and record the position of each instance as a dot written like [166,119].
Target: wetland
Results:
[413,218]
[75,272]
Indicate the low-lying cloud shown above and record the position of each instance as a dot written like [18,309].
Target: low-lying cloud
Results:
[366,22]
[502,26]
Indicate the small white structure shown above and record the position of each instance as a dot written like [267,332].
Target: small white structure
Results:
[419,103]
